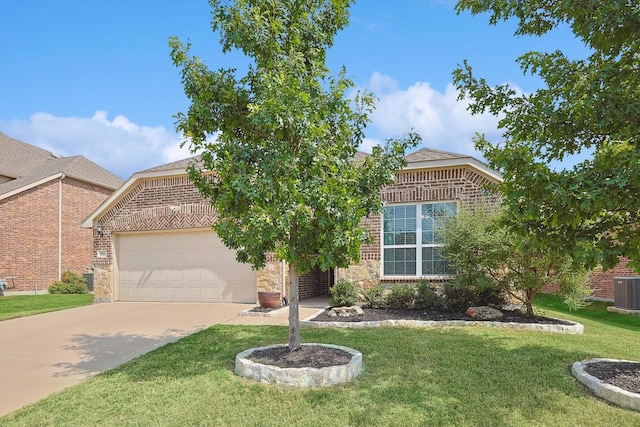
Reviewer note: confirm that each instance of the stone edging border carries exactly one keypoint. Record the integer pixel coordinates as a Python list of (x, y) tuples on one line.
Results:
[(574, 327), (249, 312), (299, 377), (608, 392)]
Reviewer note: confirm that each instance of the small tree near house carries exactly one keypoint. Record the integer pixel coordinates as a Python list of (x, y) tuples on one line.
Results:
[(284, 178), (485, 255)]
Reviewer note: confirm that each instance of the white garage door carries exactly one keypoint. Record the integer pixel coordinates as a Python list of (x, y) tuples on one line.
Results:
[(182, 267)]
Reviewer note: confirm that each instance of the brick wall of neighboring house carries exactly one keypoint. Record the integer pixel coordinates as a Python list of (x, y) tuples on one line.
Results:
[(601, 282), (456, 184), (29, 245), (169, 203)]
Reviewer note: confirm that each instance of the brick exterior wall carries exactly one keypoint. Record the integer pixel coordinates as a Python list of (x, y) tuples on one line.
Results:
[(29, 233), (457, 184), (313, 284), (601, 282)]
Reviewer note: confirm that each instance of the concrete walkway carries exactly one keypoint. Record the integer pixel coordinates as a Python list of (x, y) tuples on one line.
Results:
[(42, 354)]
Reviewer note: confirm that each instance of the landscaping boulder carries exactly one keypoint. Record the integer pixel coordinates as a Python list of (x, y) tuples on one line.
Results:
[(345, 311), (484, 313)]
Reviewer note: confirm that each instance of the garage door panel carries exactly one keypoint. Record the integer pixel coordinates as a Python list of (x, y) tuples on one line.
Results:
[(190, 266)]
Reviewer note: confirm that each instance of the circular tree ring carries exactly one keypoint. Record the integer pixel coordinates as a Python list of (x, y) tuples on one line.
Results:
[(299, 377)]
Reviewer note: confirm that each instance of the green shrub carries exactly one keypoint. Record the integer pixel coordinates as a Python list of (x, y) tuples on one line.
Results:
[(343, 293), (71, 283), (68, 288), (427, 298), (400, 297), (374, 297), (459, 298)]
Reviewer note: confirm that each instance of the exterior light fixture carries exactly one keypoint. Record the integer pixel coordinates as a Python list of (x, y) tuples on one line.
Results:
[(99, 228)]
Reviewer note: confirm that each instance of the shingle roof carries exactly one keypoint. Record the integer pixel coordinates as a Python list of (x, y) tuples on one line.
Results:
[(180, 164), (425, 154), (26, 164)]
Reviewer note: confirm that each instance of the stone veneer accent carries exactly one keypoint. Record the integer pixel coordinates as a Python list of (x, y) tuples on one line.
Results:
[(103, 283), (365, 274)]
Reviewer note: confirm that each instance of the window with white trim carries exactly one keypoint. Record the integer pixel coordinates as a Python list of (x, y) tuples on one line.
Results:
[(412, 241)]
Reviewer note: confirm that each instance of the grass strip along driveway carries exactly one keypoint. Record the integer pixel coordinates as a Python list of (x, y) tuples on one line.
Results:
[(412, 377), (14, 306)]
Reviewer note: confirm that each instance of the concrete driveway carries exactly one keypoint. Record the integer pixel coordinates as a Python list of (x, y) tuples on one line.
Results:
[(42, 354)]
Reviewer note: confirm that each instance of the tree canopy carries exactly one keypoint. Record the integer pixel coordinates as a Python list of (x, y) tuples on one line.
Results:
[(280, 170), (587, 106)]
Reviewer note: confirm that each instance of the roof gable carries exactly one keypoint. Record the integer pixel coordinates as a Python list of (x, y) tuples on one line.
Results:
[(27, 166)]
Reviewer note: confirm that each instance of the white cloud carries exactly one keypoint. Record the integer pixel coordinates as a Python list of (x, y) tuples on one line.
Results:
[(443, 122), (118, 145)]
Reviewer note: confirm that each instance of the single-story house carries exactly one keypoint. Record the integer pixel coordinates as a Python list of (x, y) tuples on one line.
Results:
[(153, 239), (43, 199)]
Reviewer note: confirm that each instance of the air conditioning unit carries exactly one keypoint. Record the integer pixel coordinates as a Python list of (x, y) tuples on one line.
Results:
[(626, 292)]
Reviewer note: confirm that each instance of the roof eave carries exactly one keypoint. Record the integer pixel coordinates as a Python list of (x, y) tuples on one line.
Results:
[(31, 185), (471, 162)]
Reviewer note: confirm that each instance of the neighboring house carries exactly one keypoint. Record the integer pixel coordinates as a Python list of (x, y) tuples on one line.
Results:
[(43, 199), (153, 239)]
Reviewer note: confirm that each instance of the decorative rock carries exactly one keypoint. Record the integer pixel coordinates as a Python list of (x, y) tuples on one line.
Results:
[(346, 311), (517, 308), (484, 313)]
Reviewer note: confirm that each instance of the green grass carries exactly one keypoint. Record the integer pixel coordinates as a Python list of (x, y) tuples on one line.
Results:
[(26, 305), (413, 377), (596, 311)]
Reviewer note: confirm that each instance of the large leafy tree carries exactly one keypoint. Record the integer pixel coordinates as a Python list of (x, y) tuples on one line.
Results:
[(281, 172), (588, 107)]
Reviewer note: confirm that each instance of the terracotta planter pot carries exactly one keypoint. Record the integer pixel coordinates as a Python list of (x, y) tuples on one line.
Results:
[(269, 299)]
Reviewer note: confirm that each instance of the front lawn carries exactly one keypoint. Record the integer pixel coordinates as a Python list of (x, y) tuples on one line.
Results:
[(26, 305), (412, 377)]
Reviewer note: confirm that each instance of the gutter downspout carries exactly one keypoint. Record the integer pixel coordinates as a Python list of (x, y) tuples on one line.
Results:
[(63, 176)]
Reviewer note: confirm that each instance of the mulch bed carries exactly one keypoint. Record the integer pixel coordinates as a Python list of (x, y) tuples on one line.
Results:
[(309, 356), (377, 314), (625, 375)]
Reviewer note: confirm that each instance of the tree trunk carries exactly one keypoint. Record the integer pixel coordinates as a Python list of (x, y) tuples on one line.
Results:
[(529, 301), (294, 313)]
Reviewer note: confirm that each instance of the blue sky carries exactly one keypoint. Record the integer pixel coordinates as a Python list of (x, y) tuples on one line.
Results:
[(94, 77)]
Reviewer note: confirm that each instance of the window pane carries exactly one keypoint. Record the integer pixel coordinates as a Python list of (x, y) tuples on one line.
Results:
[(399, 225), (400, 261)]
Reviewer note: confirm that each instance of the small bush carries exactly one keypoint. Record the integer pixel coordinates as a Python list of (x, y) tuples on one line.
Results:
[(427, 298), (457, 298), (68, 288), (374, 297), (343, 293), (400, 297), (71, 283)]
